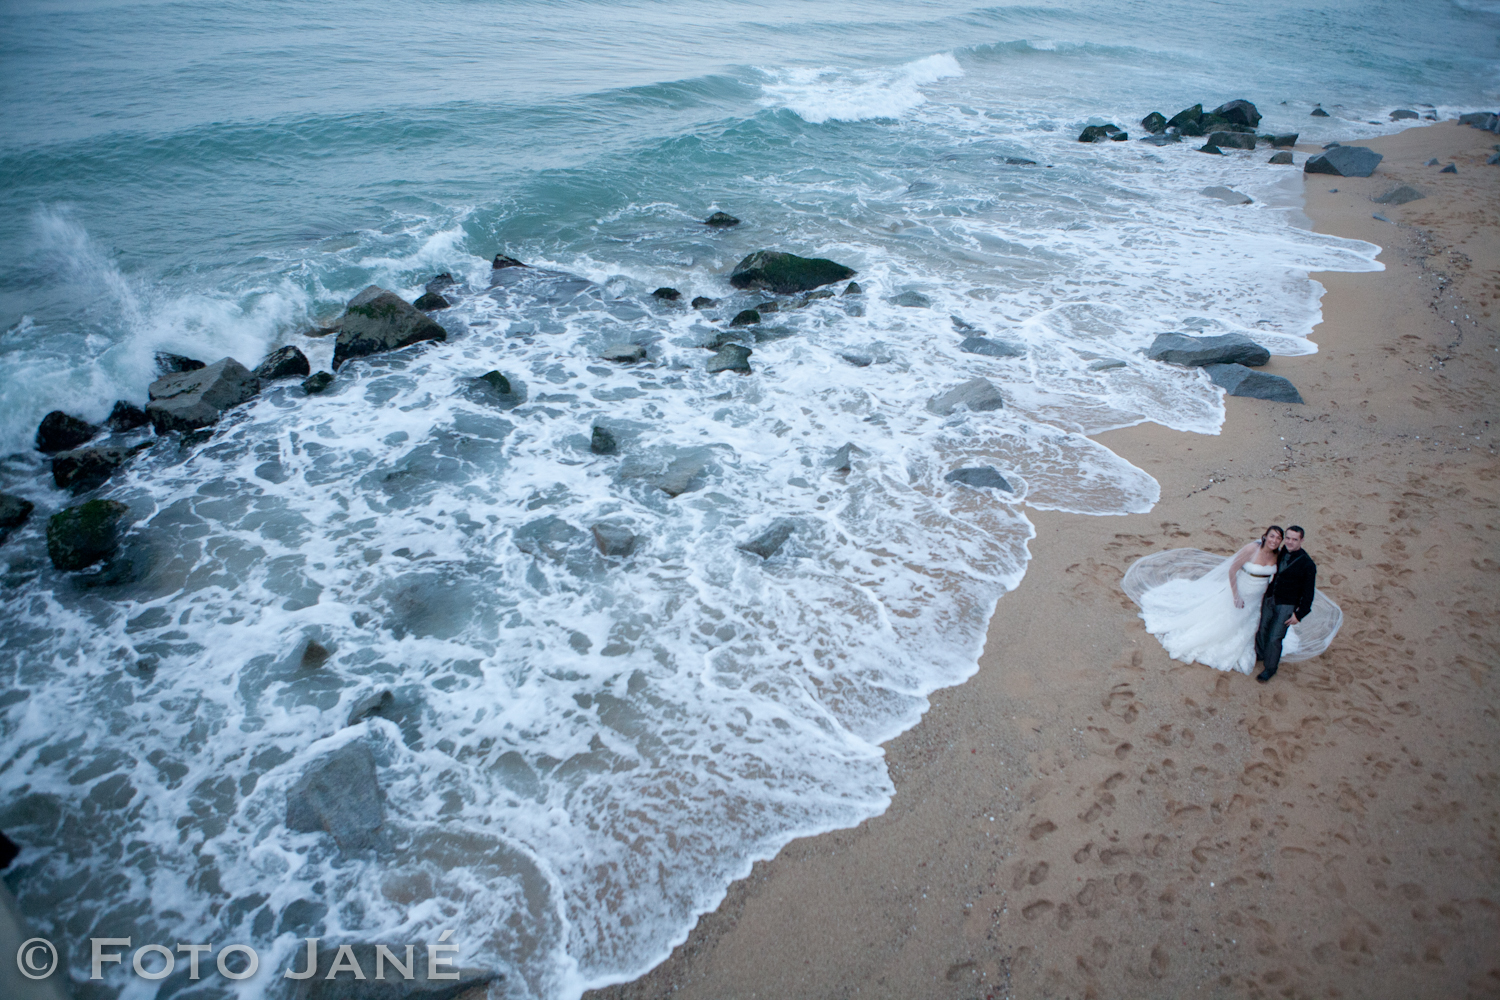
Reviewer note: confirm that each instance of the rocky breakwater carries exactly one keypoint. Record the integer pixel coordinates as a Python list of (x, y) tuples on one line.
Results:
[(377, 320), (1232, 125), (186, 401)]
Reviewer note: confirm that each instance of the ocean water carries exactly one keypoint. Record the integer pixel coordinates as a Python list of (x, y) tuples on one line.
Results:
[(580, 752)]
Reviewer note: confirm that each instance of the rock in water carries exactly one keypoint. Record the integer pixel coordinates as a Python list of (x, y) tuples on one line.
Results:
[(992, 348), (1098, 133), (1165, 139), (1232, 140), (1019, 161), (1211, 149), (1237, 380), (853, 289), (83, 469), (284, 362), (912, 300), (1228, 196), (767, 543), (602, 442), (842, 459), (13, 513), (126, 417), (704, 302), (314, 654), (977, 394), (1282, 158), (719, 219), (1155, 123), (376, 321), (393, 985), (1319, 113), (431, 302), (1239, 113), (339, 794), (168, 364), (1399, 196), (786, 273), (982, 476), (81, 536), (1228, 348), (667, 294), (194, 399), (58, 432), (501, 262), (613, 539), (440, 282), (496, 389), (317, 382), (1281, 141), (746, 317), (623, 353), (1344, 161), (731, 358), (1477, 119), (1400, 114), (377, 704)]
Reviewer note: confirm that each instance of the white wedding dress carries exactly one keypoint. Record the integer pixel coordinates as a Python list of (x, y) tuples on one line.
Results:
[(1197, 622)]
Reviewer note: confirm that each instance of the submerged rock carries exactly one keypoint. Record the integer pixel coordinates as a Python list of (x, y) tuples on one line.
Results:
[(81, 536), (667, 294), (13, 513), (1344, 161), (786, 273), (1019, 161), (602, 442), (377, 704), (440, 282), (431, 302), (170, 364), (704, 302), (84, 469), (314, 654), (1155, 123), (731, 358), (1237, 380), (1228, 196), (981, 476), (613, 539), (284, 362), (912, 300), (317, 382), (840, 462), (768, 542), (497, 389), (339, 794), (377, 321), (1107, 364), (393, 985), (992, 348), (1211, 149), (1238, 113), (721, 219), (1166, 139), (977, 394), (1098, 133), (1227, 348), (126, 417), (195, 399), (1282, 158), (60, 431), (685, 473), (623, 353), (1399, 196)]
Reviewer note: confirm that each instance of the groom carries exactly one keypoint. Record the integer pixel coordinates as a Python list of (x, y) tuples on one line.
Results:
[(1288, 600)]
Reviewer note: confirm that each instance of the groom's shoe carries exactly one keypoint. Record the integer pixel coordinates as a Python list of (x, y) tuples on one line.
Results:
[(1264, 676)]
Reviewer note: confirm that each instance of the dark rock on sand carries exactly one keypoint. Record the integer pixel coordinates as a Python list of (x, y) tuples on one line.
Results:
[(704, 302), (126, 417), (1098, 133), (431, 302), (1228, 348), (13, 513), (719, 219), (667, 294), (1228, 196), (1400, 114), (623, 353), (339, 794), (1232, 140), (746, 317), (194, 399), (394, 985), (1282, 158), (602, 442), (613, 539), (772, 539), (377, 321), (1237, 380), (501, 262), (1155, 123), (992, 348), (317, 382), (1451, 168), (786, 273), (977, 394), (1399, 196), (59, 431), (81, 536), (731, 358), (1239, 113), (284, 362), (1319, 113), (982, 476), (84, 469), (168, 364), (1344, 161)]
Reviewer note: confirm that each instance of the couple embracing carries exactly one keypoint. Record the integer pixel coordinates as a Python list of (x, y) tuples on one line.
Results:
[(1244, 609)]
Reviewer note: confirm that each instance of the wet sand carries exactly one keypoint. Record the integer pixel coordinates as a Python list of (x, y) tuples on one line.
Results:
[(1088, 818)]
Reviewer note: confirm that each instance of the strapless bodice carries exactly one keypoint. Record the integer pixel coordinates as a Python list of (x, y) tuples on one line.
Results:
[(1256, 570)]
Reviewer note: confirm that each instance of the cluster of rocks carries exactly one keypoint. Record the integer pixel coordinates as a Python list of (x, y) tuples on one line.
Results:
[(1229, 360), (1229, 126)]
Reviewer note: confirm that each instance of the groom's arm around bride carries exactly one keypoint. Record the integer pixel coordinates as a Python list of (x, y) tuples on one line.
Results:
[(1288, 600)]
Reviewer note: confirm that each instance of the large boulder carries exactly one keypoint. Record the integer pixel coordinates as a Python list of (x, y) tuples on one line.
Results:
[(81, 536), (1237, 380), (83, 469), (1227, 348), (977, 394), (193, 399), (339, 794), (376, 321), (60, 431), (126, 417), (394, 985), (1238, 113), (13, 513), (786, 273), (1186, 120), (1344, 161), (1155, 123), (284, 362)]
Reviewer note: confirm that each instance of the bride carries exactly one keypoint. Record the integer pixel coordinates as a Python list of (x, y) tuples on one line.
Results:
[(1211, 619)]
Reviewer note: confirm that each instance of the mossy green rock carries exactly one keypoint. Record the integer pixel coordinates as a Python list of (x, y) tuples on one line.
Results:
[(81, 536), (377, 321), (1154, 123), (786, 273)]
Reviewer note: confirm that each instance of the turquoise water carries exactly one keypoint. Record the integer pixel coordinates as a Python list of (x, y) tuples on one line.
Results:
[(587, 751)]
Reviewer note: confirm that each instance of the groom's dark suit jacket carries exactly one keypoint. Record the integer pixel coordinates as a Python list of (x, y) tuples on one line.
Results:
[(1295, 582)]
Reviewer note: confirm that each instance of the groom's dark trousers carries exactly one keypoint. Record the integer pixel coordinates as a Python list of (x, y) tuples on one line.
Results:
[(1272, 631), (1291, 592)]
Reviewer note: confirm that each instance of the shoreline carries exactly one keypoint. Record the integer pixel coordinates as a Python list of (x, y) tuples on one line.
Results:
[(1085, 817)]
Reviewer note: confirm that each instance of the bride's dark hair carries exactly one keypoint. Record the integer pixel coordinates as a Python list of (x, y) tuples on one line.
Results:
[(1276, 528)]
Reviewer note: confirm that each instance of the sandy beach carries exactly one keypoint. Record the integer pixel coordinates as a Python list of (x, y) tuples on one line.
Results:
[(1088, 818)]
